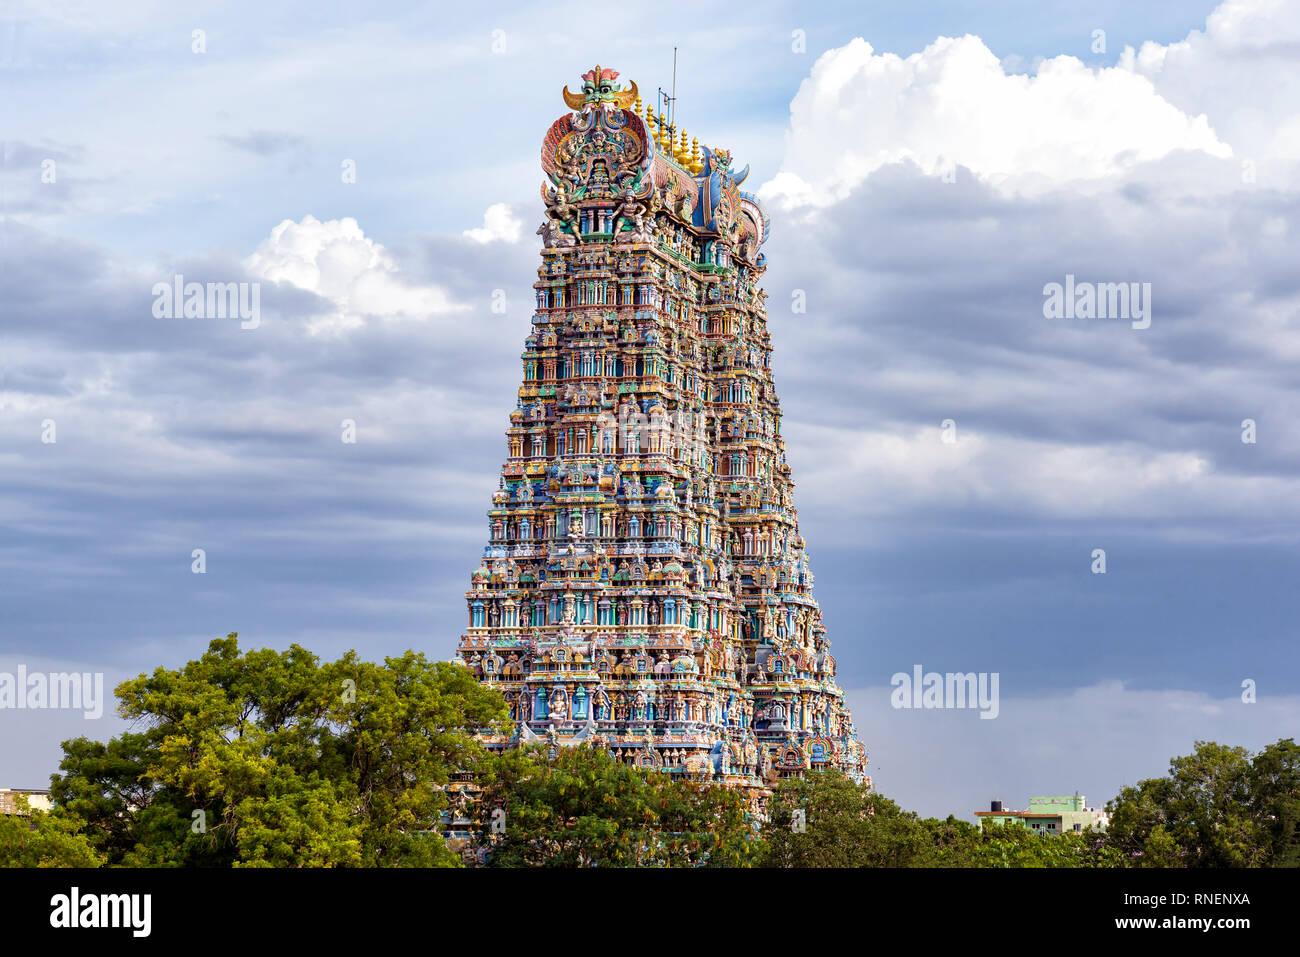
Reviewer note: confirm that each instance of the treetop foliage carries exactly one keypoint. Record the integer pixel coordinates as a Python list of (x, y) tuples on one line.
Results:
[(262, 758)]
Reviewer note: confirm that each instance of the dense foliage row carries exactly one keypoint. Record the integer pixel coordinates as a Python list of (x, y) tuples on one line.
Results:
[(272, 759), (267, 758)]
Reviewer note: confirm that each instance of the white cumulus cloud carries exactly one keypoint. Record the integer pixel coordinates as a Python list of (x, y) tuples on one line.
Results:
[(1239, 72), (953, 104), (499, 223), (337, 261)]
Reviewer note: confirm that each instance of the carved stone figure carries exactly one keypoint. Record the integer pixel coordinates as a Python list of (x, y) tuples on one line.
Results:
[(633, 212), (559, 211)]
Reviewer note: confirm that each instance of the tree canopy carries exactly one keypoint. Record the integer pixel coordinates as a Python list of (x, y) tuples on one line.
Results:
[(1219, 806), (272, 759), (583, 808), (34, 838)]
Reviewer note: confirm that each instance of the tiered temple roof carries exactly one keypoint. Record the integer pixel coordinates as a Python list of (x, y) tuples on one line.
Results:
[(645, 585)]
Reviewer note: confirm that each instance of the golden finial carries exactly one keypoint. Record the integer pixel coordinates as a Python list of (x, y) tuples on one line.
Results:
[(696, 164)]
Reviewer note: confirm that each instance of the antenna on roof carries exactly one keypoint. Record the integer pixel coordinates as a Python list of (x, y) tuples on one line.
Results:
[(673, 114), (669, 98)]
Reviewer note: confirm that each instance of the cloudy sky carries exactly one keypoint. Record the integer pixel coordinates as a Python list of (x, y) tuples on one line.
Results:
[(930, 168)]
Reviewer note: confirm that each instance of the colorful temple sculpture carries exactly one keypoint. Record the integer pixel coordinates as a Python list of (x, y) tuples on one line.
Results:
[(645, 586)]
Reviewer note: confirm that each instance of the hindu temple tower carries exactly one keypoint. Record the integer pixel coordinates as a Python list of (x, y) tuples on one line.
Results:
[(645, 585)]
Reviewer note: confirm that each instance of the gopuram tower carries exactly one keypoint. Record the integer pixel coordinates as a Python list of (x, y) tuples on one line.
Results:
[(645, 586)]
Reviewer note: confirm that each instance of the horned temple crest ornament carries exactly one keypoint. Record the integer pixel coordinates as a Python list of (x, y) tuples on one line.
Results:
[(618, 169), (600, 88)]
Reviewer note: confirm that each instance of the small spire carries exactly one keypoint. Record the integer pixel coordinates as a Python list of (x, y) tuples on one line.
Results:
[(682, 154)]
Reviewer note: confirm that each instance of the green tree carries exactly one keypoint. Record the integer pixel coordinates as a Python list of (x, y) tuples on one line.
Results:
[(1012, 845), (105, 785), (583, 808), (33, 838), (827, 820), (266, 758), (951, 841), (1275, 800), (1159, 849), (1205, 813), (701, 824)]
